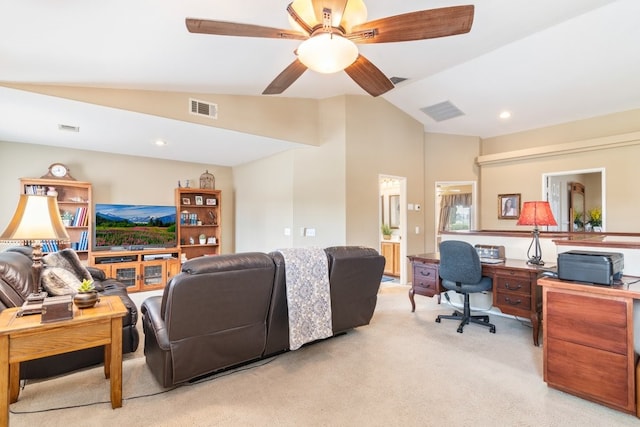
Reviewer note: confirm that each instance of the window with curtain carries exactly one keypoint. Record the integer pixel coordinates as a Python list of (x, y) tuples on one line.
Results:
[(455, 212)]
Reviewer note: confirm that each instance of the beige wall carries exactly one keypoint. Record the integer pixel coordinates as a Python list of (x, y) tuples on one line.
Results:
[(264, 203), (382, 140), (334, 187), (446, 158), (611, 142), (274, 117), (596, 127), (115, 178)]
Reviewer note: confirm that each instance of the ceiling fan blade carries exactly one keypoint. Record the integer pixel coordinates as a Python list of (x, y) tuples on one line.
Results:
[(285, 78), (425, 24), (222, 28), (369, 77)]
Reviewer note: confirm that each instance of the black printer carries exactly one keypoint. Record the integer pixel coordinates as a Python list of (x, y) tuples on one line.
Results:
[(602, 268)]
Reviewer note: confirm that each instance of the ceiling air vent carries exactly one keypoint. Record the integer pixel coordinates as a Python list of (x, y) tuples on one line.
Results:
[(442, 111), (69, 128), (396, 80), (201, 108)]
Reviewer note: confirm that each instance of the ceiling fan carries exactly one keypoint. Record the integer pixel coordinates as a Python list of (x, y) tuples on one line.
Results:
[(329, 30)]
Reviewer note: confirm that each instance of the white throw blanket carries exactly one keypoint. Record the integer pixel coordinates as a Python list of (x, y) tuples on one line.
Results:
[(308, 295)]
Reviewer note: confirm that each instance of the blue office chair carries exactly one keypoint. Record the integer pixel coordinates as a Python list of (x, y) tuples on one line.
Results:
[(461, 271)]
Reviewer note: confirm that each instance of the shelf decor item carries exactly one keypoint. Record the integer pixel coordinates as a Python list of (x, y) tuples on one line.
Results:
[(207, 181)]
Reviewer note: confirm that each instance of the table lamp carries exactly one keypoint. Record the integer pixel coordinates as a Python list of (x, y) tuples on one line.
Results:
[(37, 218), (536, 213)]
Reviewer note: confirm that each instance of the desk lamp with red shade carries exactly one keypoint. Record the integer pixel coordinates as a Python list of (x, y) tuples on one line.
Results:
[(536, 214)]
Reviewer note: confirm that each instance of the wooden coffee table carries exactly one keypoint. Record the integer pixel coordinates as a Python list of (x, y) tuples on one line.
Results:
[(25, 338)]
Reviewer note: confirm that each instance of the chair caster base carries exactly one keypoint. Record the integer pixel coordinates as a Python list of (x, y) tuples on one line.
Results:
[(466, 319)]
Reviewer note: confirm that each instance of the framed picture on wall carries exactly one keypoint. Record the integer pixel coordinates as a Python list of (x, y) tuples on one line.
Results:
[(508, 206)]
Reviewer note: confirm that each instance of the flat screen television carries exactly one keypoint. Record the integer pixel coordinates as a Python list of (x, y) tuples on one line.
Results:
[(134, 227)]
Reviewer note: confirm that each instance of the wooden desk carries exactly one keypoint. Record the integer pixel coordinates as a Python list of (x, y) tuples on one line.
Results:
[(588, 342), (514, 286), (25, 338)]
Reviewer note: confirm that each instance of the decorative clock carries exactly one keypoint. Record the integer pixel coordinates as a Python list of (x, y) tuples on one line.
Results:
[(58, 171)]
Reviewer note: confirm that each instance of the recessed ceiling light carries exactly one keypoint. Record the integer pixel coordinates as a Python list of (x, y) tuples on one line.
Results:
[(505, 115), (160, 143)]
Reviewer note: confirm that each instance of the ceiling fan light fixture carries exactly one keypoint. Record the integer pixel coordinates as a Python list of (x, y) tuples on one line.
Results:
[(355, 13), (327, 53), (304, 9)]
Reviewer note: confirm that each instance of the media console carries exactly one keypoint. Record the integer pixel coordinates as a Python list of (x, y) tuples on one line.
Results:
[(139, 270)]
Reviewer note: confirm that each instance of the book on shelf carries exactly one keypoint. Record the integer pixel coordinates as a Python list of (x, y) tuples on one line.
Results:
[(50, 246), (80, 219), (83, 244)]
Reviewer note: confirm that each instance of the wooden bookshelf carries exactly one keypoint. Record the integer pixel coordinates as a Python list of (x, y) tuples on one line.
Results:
[(199, 214), (74, 200)]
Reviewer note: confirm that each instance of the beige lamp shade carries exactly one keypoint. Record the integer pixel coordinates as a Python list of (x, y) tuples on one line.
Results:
[(36, 218)]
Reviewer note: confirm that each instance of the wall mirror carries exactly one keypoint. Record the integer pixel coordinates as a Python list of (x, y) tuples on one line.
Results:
[(394, 211), (577, 211), (556, 189)]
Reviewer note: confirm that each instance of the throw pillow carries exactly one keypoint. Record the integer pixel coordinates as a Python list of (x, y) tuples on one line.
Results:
[(59, 281), (67, 259)]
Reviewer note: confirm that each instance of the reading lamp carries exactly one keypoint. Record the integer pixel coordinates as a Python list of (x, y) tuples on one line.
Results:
[(536, 213), (37, 218)]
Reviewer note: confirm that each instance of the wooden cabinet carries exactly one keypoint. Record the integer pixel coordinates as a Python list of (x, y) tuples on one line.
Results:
[(74, 201), (198, 222), (139, 270), (391, 253), (588, 342)]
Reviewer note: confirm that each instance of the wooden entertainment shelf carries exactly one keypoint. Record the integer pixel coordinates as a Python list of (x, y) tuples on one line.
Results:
[(139, 270), (198, 222)]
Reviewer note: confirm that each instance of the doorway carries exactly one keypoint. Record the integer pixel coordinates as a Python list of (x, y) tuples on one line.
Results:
[(393, 212), (556, 189)]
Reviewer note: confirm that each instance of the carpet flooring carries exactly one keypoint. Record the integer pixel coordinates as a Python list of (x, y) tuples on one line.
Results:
[(401, 370)]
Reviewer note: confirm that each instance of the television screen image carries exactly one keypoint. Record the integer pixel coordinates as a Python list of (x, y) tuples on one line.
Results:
[(134, 226)]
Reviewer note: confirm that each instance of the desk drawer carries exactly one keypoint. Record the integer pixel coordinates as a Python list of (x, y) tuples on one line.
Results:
[(602, 324), (513, 281), (509, 301), (425, 279)]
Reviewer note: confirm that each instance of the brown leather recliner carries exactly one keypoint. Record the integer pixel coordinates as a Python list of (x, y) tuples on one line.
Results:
[(223, 311), (355, 273), (212, 315)]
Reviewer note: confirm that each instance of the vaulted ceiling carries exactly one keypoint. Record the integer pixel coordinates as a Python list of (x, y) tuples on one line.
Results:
[(545, 61)]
